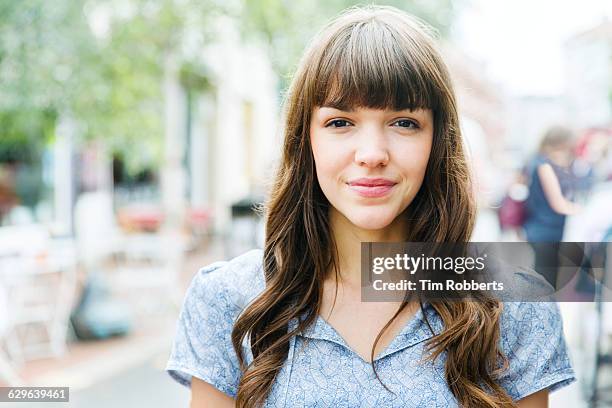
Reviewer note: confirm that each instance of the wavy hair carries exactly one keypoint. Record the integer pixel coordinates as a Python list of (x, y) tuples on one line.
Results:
[(374, 57)]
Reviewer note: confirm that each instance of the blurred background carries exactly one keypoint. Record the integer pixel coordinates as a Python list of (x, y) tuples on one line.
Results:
[(136, 136)]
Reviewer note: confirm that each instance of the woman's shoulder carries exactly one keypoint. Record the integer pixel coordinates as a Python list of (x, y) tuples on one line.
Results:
[(534, 163), (203, 344), (232, 283), (539, 159), (531, 337), (535, 319), (529, 299)]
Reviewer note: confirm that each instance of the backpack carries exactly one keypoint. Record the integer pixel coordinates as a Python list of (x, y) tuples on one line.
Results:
[(513, 209)]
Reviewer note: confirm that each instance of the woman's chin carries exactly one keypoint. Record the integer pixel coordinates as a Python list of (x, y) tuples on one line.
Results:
[(371, 222)]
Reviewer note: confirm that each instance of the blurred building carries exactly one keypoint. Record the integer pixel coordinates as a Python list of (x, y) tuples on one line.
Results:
[(220, 118), (483, 111), (233, 131), (480, 99), (529, 117), (585, 103), (588, 60)]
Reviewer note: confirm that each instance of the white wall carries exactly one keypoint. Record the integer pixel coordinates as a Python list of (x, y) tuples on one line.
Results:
[(242, 74), (589, 81)]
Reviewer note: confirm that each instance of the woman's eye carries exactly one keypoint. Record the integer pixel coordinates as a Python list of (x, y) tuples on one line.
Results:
[(406, 123), (338, 123)]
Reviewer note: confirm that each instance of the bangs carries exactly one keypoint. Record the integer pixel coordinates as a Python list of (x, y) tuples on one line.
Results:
[(371, 65)]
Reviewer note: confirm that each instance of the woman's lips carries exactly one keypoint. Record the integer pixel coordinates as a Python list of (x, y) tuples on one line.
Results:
[(371, 187)]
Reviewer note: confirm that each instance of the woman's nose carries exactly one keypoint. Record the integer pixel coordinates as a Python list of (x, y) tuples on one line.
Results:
[(372, 150)]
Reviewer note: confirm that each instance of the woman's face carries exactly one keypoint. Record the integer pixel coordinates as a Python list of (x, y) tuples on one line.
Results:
[(561, 155), (370, 163)]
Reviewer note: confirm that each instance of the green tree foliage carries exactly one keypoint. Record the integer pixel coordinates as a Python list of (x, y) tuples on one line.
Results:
[(101, 62), (21, 134)]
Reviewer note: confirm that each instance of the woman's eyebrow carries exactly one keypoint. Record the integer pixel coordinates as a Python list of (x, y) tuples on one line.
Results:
[(417, 112)]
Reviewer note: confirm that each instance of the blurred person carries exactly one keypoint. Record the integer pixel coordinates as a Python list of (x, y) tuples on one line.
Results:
[(547, 205), (372, 153)]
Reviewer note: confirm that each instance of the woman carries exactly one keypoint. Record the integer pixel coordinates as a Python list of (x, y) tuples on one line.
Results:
[(372, 152), (546, 204)]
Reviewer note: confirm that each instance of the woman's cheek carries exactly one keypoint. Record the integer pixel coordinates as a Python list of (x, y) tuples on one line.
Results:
[(329, 160)]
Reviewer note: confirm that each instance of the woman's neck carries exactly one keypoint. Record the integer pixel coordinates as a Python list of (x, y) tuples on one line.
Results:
[(348, 238)]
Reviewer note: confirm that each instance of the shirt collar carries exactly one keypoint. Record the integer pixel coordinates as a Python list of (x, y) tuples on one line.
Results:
[(415, 331)]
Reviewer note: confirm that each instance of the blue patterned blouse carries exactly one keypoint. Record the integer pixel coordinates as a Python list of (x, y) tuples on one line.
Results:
[(325, 372)]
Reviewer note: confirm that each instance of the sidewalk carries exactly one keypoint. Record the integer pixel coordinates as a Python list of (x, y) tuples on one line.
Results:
[(88, 363), (143, 385)]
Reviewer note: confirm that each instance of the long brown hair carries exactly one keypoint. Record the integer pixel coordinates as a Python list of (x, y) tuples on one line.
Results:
[(375, 57)]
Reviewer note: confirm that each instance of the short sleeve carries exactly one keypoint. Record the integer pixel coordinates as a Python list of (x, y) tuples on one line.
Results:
[(202, 346), (533, 341)]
